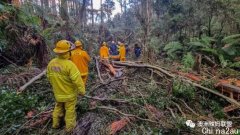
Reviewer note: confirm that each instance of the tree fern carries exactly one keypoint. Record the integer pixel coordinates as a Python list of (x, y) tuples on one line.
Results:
[(210, 51), (231, 39), (195, 45), (235, 65), (218, 54), (188, 60), (231, 50), (232, 45), (206, 41), (172, 47), (155, 43)]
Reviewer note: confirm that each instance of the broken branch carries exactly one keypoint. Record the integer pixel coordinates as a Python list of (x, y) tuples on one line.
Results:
[(172, 113), (98, 70), (232, 101), (189, 107), (105, 99), (31, 81), (179, 108), (124, 114)]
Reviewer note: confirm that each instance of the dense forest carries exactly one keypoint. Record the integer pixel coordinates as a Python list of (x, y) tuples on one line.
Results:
[(188, 69)]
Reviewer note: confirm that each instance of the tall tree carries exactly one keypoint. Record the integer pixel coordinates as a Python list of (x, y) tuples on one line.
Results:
[(109, 6), (54, 7), (92, 13), (144, 15), (101, 8)]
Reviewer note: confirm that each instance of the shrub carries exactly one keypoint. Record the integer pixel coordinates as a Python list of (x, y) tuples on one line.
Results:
[(188, 61), (183, 90), (13, 107)]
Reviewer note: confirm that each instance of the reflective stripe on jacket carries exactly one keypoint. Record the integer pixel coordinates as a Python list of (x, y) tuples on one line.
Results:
[(65, 79)]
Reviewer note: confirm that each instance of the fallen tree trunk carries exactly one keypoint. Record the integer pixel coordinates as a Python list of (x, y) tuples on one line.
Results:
[(143, 66), (232, 101), (22, 88), (229, 87), (98, 70)]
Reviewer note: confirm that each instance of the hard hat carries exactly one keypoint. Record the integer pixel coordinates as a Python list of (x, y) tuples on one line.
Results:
[(63, 46), (104, 43), (78, 43)]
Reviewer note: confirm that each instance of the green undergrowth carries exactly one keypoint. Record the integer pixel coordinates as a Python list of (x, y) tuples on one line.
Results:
[(13, 108), (183, 90)]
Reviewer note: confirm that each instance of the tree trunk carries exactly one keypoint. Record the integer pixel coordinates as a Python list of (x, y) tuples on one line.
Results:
[(46, 5), (65, 17), (209, 23), (82, 13), (92, 13), (42, 1), (54, 7), (101, 12), (63, 10), (147, 14)]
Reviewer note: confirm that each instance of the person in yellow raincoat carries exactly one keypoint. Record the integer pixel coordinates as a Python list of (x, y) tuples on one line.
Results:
[(81, 59), (104, 51), (104, 57), (67, 84), (122, 52)]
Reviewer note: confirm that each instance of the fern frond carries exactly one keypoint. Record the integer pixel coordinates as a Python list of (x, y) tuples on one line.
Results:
[(206, 41), (172, 47), (235, 65), (231, 38), (188, 60), (210, 51), (196, 45)]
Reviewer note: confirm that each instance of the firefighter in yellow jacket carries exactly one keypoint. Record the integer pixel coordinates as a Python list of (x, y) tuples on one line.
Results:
[(67, 84), (122, 52), (81, 59), (104, 51)]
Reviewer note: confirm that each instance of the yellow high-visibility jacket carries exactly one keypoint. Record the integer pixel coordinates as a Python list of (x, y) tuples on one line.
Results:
[(81, 59), (122, 53), (65, 79), (104, 52)]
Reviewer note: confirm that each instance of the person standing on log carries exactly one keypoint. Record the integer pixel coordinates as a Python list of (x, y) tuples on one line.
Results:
[(104, 52), (113, 49), (122, 52), (67, 84), (81, 59), (104, 57)]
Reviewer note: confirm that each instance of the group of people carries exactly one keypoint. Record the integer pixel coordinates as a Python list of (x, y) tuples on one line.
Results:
[(118, 51), (68, 74)]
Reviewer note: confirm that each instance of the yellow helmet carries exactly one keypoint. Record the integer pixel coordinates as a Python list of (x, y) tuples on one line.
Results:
[(78, 43), (104, 43), (62, 46), (121, 44)]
